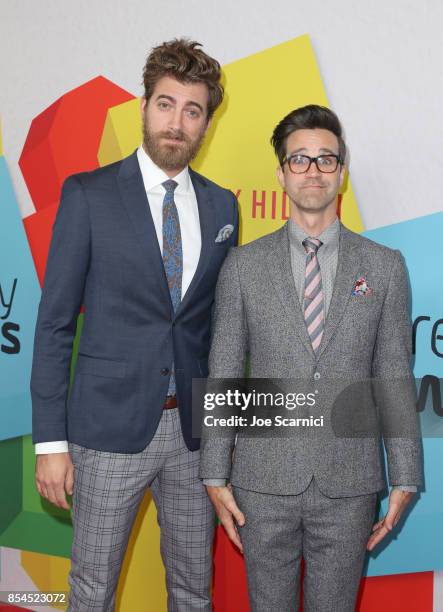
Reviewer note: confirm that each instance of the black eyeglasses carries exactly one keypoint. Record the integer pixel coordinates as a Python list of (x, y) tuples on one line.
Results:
[(299, 164)]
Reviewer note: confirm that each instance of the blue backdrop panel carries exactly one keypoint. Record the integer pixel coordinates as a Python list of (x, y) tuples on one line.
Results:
[(20, 294), (418, 545)]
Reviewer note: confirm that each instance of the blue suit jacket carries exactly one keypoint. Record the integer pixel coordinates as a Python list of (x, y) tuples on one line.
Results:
[(105, 255)]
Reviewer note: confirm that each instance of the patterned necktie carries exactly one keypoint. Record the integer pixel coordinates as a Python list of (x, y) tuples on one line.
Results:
[(313, 301), (172, 255)]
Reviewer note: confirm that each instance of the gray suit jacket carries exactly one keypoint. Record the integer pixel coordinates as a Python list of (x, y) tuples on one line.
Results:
[(366, 338)]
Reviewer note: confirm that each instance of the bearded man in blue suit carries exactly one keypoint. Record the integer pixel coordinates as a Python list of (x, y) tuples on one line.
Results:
[(140, 244)]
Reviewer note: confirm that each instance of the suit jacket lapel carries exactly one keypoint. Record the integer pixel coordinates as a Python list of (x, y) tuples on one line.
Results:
[(280, 272), (206, 212), (347, 270), (132, 191)]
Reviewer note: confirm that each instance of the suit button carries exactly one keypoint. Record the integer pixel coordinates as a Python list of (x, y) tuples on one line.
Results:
[(164, 371), (317, 375)]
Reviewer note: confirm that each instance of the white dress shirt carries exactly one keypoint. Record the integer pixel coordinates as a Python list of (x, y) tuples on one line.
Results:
[(187, 208)]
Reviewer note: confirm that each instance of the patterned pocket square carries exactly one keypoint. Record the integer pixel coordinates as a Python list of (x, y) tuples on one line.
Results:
[(361, 287), (224, 233)]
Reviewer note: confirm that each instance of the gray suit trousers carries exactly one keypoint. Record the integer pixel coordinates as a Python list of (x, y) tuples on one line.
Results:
[(108, 490), (330, 534)]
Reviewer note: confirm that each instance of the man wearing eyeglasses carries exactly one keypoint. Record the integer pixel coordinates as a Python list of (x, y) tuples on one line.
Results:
[(317, 303)]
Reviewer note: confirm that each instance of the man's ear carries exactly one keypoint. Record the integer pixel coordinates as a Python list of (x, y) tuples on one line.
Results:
[(342, 174), (208, 124), (281, 177), (143, 103)]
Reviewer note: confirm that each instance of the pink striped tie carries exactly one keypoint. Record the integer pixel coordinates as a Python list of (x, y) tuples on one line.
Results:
[(313, 302)]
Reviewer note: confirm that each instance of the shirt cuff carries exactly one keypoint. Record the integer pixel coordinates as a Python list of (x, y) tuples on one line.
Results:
[(48, 448), (406, 488), (214, 482)]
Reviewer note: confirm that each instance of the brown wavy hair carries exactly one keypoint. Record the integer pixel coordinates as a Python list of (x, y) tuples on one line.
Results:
[(185, 61)]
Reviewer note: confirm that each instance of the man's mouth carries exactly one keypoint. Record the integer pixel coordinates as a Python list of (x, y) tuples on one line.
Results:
[(173, 138)]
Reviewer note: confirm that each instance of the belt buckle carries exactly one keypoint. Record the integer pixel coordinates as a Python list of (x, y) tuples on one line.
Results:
[(170, 402)]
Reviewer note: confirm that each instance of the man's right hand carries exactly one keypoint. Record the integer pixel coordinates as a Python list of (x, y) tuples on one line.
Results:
[(54, 477), (227, 510)]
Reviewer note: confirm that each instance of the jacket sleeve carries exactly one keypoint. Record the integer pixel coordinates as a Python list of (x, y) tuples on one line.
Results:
[(394, 386), (226, 361), (61, 299)]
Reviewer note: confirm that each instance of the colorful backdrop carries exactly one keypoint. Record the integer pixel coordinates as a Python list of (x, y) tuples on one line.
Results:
[(86, 117)]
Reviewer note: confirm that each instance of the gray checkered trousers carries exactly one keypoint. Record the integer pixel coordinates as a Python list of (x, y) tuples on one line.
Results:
[(108, 490)]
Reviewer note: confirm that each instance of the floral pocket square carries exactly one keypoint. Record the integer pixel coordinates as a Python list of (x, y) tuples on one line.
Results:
[(361, 287), (224, 233)]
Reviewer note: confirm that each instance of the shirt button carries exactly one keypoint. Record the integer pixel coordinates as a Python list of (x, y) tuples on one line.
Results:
[(164, 371), (317, 375)]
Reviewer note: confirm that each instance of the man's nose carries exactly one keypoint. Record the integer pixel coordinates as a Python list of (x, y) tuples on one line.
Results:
[(313, 170), (175, 119)]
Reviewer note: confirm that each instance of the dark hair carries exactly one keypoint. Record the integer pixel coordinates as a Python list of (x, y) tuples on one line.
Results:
[(185, 61), (307, 117)]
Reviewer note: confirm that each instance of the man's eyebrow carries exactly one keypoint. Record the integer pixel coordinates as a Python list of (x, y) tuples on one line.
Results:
[(170, 98), (193, 103), (188, 103), (323, 150)]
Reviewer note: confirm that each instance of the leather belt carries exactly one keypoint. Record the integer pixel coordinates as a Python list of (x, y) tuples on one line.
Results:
[(171, 402)]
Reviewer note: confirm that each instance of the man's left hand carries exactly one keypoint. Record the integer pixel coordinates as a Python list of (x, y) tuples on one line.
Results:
[(398, 500)]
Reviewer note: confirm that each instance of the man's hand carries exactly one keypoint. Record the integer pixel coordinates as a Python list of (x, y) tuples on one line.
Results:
[(54, 476), (227, 510), (398, 500)]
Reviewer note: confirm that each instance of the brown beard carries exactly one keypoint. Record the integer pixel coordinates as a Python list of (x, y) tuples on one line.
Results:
[(170, 157)]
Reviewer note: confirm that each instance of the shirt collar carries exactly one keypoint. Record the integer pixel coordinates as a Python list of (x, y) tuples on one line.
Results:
[(153, 176), (329, 236)]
